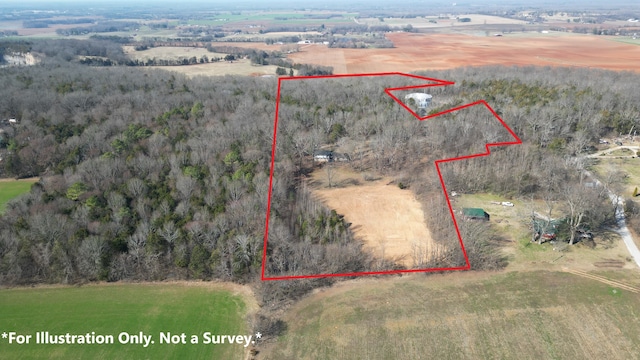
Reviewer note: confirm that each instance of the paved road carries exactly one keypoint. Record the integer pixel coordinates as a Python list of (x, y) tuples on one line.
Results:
[(622, 229)]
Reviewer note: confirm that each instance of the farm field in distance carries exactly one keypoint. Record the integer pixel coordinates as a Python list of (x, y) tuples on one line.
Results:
[(221, 68), (10, 189), (237, 67), (109, 309), (414, 52), (170, 53), (525, 315)]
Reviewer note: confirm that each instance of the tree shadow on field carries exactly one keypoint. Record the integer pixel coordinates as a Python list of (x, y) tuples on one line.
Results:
[(347, 182)]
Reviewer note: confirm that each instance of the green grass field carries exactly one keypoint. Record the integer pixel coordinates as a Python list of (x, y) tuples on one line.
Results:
[(627, 40), (516, 315), (513, 223), (10, 189), (114, 308)]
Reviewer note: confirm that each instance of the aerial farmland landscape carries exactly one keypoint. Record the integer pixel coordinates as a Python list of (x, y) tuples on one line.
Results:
[(326, 180)]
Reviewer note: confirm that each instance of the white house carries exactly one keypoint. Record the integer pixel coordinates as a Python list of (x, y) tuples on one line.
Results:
[(323, 156), (421, 99)]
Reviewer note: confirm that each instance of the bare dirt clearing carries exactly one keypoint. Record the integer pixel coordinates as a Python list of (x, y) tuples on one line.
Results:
[(415, 52), (170, 53), (389, 220), (220, 68)]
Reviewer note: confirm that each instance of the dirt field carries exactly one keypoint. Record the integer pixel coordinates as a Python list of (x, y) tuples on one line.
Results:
[(239, 67), (170, 53), (388, 219), (445, 51)]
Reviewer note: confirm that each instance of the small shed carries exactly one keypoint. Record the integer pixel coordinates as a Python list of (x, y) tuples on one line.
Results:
[(475, 214)]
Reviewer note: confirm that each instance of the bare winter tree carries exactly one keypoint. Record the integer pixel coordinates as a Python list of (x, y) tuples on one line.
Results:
[(136, 187), (90, 256), (186, 186), (577, 204), (330, 171)]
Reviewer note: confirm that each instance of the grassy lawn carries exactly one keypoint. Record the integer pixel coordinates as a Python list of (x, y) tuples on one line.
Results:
[(513, 223), (627, 40), (622, 152), (10, 189), (630, 166), (515, 315), (114, 308)]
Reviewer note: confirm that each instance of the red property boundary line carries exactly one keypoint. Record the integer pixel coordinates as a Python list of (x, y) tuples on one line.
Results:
[(436, 82)]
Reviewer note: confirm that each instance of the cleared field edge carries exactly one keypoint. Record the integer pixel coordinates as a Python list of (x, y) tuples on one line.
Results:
[(462, 310), (11, 189), (244, 291), (389, 231)]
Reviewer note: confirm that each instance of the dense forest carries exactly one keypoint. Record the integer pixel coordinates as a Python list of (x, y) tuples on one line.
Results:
[(149, 175)]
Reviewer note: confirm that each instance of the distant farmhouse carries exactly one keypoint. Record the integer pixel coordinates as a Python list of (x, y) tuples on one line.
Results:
[(323, 156), (475, 214), (329, 156)]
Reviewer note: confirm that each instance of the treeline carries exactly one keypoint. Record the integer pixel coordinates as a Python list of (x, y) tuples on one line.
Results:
[(261, 57), (376, 40), (66, 50), (346, 36), (174, 62), (44, 23), (101, 27), (19, 46), (8, 33)]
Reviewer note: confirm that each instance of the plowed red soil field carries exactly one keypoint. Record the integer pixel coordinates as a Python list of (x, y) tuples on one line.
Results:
[(414, 52)]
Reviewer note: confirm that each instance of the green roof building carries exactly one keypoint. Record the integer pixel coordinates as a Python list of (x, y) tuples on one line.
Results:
[(475, 214)]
